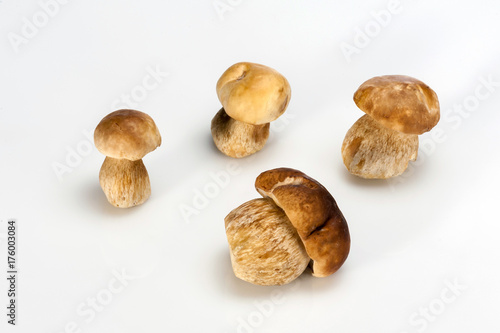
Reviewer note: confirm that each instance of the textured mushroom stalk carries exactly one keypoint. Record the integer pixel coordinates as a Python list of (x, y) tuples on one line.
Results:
[(125, 183), (272, 240), (264, 246), (236, 138), (252, 96), (371, 150)]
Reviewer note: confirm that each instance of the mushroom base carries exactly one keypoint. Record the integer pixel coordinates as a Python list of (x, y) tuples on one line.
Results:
[(235, 138), (264, 246), (125, 183), (371, 150)]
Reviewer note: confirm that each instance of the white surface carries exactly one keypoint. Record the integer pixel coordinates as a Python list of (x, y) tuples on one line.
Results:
[(410, 239)]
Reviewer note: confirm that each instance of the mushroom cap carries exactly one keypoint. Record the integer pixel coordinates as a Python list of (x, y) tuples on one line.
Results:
[(371, 150), (127, 134), (399, 102), (313, 212), (253, 93)]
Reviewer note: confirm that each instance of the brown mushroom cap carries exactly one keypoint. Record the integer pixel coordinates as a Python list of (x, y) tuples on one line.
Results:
[(127, 134), (253, 93), (399, 102), (313, 212)]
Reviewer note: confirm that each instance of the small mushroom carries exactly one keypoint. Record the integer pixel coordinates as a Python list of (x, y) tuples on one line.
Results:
[(125, 137), (272, 240), (381, 143), (252, 96)]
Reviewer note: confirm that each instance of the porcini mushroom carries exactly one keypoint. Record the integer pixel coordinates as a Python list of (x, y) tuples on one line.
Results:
[(252, 96), (125, 137), (381, 143), (272, 240)]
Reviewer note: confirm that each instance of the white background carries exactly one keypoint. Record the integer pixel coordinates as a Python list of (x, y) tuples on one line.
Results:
[(412, 237)]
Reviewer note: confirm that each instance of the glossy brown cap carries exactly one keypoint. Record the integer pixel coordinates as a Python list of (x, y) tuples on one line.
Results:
[(127, 134), (399, 102), (313, 212)]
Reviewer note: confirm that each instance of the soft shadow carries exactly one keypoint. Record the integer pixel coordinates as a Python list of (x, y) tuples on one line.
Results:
[(362, 182), (413, 174), (176, 164), (305, 284), (334, 281), (210, 142), (95, 198)]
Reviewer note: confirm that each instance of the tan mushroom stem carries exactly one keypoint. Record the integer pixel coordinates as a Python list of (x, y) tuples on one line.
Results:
[(125, 183), (371, 150), (264, 246), (236, 138)]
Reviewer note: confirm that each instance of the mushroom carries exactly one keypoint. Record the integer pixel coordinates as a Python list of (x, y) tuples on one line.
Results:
[(125, 137), (252, 96), (272, 240), (381, 143)]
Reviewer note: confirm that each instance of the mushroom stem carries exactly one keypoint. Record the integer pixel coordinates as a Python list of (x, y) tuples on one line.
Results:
[(125, 183), (236, 138), (264, 246), (371, 150)]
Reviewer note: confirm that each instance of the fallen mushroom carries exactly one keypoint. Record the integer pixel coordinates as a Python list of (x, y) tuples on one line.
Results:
[(272, 240), (125, 137), (252, 96), (381, 143)]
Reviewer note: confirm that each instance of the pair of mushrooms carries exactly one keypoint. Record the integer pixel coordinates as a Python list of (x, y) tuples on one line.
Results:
[(252, 96), (379, 145)]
